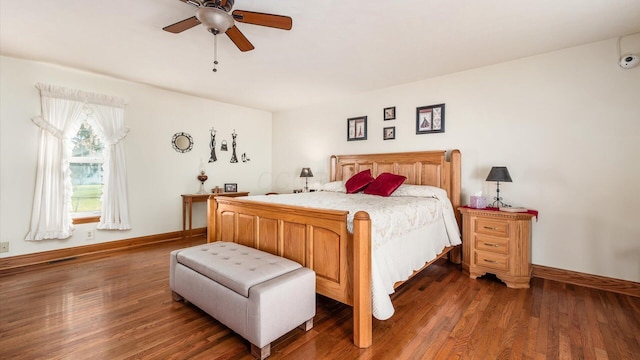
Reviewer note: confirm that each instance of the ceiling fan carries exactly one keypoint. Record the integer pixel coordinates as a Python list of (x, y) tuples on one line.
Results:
[(215, 17)]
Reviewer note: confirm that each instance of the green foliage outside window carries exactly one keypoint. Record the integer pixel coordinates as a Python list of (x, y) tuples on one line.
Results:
[(86, 170)]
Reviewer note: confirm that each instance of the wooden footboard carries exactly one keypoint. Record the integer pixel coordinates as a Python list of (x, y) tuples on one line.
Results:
[(315, 238)]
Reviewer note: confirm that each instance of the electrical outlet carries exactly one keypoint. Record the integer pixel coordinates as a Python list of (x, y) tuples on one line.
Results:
[(4, 247), (89, 234)]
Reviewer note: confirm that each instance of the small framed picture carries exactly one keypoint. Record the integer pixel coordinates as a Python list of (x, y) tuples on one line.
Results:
[(230, 187), (430, 119), (389, 113), (389, 133), (357, 128)]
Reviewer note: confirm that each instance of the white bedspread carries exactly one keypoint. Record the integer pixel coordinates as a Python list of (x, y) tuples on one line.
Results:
[(406, 232)]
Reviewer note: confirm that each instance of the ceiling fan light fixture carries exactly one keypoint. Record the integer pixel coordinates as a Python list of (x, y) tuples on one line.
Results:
[(214, 20)]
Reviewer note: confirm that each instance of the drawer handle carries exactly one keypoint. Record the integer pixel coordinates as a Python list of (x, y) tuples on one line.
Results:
[(491, 228), (490, 261), (490, 244)]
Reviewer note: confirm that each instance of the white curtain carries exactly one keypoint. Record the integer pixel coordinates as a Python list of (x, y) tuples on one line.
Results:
[(51, 213), (62, 111), (110, 127)]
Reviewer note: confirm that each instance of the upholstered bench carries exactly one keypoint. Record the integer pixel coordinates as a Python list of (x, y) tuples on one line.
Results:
[(258, 295)]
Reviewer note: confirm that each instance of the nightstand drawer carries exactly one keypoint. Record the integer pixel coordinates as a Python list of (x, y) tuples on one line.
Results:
[(491, 260), (494, 227), (492, 244)]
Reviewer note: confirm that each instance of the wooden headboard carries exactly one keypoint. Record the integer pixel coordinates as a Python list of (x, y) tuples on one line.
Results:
[(420, 167)]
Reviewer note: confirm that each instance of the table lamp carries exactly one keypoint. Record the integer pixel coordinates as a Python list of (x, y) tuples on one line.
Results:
[(306, 174), (497, 174)]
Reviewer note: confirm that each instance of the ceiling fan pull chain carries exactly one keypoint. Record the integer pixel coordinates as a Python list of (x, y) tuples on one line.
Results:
[(215, 51)]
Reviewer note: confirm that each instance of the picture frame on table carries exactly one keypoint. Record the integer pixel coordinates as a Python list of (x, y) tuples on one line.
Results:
[(357, 128), (231, 187), (389, 113), (389, 133), (430, 119)]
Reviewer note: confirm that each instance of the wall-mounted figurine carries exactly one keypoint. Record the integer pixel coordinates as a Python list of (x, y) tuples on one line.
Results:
[(223, 147), (234, 157), (212, 146)]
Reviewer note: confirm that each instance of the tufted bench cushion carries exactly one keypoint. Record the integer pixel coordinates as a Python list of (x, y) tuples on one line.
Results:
[(258, 295), (235, 266)]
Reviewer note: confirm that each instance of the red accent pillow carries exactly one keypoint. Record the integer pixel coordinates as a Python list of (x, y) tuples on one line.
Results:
[(359, 181), (385, 184)]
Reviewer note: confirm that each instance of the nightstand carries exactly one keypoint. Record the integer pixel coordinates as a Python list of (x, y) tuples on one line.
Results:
[(498, 243)]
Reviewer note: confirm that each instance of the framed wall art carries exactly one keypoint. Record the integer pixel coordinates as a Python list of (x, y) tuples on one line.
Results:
[(230, 187), (430, 119), (389, 133), (357, 128), (389, 113)]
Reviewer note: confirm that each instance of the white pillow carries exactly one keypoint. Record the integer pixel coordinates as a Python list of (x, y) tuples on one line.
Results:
[(334, 186), (421, 191)]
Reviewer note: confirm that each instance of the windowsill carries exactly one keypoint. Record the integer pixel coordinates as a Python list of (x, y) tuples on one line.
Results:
[(86, 220)]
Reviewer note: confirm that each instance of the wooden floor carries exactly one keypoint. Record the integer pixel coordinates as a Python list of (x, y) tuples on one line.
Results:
[(119, 306)]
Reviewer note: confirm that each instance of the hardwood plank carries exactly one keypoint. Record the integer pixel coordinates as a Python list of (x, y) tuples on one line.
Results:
[(118, 305)]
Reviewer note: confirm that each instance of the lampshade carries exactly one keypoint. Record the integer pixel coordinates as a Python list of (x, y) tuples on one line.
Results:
[(214, 20), (306, 172), (499, 173)]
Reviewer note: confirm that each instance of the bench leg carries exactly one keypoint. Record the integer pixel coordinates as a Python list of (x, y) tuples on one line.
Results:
[(261, 353), (176, 296), (308, 325)]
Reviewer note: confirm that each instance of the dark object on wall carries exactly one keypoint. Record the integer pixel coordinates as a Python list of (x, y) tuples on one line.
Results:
[(182, 142), (245, 158), (212, 146), (234, 157), (357, 128), (223, 147), (430, 119), (389, 113), (389, 133)]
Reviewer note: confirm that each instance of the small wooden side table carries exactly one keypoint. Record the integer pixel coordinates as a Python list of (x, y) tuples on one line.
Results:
[(187, 206), (499, 243)]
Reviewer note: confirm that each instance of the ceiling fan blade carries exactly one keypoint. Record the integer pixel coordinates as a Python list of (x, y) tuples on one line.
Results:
[(183, 25), (239, 39), (270, 20)]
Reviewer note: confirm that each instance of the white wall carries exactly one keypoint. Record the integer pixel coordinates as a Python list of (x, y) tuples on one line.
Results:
[(157, 174), (566, 124)]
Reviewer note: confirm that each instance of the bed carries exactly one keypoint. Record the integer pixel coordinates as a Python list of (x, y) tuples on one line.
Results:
[(336, 244)]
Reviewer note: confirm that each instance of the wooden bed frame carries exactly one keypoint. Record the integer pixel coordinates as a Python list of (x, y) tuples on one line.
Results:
[(318, 238)]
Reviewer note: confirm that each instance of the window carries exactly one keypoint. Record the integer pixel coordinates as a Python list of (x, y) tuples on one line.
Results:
[(99, 169), (86, 173)]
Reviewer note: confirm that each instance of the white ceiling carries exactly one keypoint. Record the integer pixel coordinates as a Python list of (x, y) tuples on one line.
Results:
[(336, 47)]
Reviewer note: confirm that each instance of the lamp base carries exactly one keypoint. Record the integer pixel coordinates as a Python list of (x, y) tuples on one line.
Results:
[(202, 191), (498, 200), (202, 178), (498, 203)]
